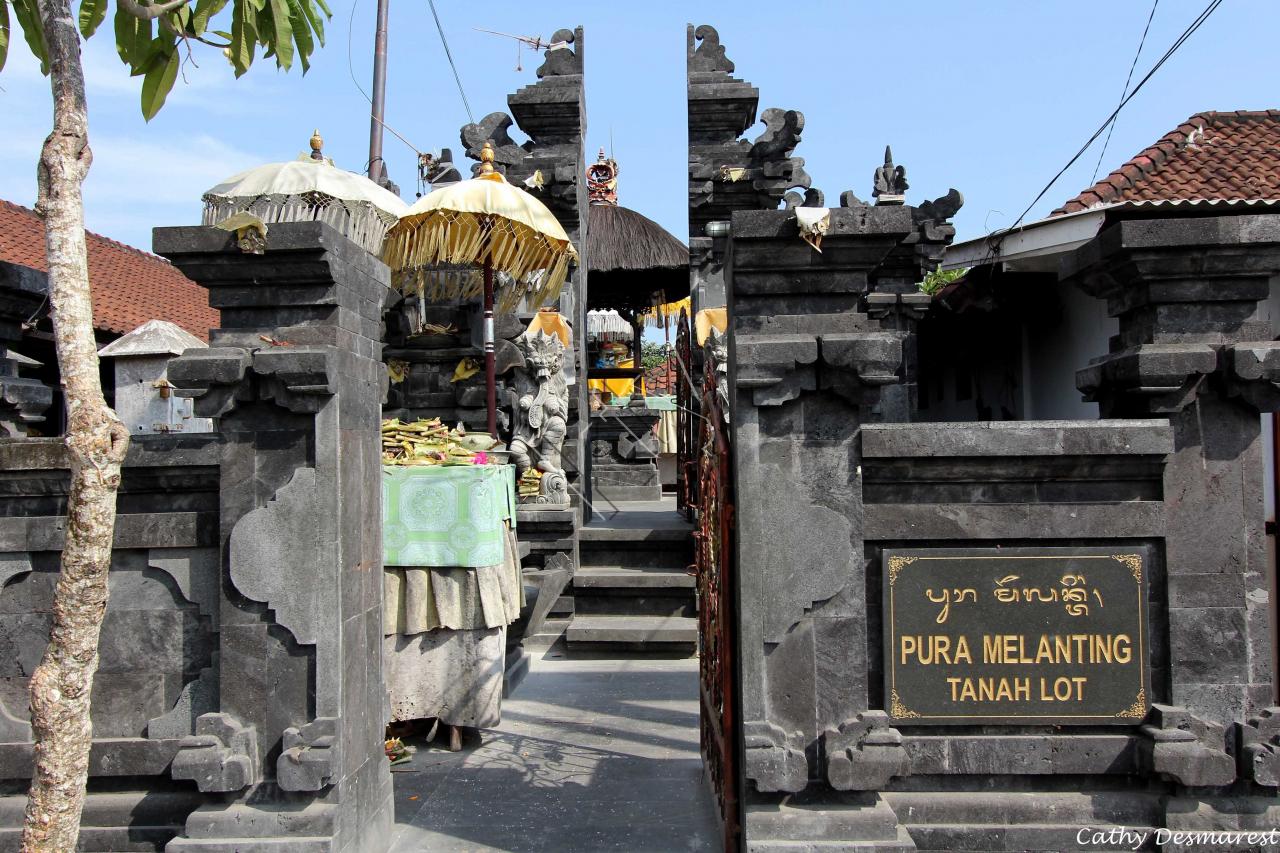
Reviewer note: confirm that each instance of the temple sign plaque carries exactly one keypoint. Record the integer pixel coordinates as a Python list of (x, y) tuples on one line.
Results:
[(1016, 635)]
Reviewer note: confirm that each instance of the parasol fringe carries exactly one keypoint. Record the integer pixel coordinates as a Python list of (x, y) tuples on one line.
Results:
[(537, 264), (360, 221)]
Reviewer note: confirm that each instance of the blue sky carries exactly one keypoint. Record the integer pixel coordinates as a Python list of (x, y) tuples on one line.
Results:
[(989, 97)]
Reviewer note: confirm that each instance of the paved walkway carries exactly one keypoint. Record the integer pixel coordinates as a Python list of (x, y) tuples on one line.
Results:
[(592, 755)]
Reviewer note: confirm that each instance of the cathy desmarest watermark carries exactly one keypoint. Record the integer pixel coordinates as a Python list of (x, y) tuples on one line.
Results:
[(1125, 838)]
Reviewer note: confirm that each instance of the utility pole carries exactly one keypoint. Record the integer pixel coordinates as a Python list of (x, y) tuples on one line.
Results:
[(376, 163)]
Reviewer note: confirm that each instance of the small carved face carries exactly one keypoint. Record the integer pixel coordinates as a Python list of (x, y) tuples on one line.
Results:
[(543, 353)]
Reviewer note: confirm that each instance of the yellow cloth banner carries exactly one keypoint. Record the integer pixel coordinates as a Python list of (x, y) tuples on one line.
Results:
[(552, 323), (708, 319), (617, 387)]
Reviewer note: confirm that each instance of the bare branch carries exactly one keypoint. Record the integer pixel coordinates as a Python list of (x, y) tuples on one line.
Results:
[(147, 13)]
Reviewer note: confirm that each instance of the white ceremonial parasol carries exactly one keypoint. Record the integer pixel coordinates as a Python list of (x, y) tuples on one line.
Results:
[(309, 189)]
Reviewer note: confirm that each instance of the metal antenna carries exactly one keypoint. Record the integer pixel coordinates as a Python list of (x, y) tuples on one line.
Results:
[(534, 42)]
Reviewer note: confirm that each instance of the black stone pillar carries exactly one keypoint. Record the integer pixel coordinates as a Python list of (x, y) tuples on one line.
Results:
[(290, 748), (807, 369), (1193, 347)]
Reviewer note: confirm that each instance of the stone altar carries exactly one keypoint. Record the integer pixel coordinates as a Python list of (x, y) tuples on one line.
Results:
[(624, 455)]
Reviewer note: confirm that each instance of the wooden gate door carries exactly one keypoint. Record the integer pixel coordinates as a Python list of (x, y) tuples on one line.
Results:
[(716, 612)]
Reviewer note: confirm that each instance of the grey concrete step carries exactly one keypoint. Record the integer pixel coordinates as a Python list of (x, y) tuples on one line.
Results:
[(620, 578), (552, 631), (633, 633), (617, 591), (663, 555)]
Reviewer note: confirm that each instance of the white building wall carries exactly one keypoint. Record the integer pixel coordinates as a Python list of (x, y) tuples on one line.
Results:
[(1053, 354)]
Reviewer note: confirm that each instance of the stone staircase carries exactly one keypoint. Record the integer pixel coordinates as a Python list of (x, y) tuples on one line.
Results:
[(633, 592)]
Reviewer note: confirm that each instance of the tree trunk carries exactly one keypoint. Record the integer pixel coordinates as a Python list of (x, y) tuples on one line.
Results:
[(96, 443)]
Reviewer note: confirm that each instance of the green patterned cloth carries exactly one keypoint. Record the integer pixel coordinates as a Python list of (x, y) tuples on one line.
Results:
[(446, 515)]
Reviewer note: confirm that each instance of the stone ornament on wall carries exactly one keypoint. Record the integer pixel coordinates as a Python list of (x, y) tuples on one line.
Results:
[(540, 403)]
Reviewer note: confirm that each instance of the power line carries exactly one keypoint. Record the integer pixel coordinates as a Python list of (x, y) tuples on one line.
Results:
[(1125, 90), (449, 56), (1186, 34)]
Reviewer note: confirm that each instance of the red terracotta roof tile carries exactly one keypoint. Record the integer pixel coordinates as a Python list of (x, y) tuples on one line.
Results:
[(1219, 156), (128, 286), (661, 378)]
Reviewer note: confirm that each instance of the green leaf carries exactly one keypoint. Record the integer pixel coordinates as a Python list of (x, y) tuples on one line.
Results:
[(92, 13), (181, 17), (313, 16), (325, 8), (32, 30), (4, 33), (205, 10), (158, 82), (301, 34), (244, 36), (133, 41), (266, 32), (282, 30)]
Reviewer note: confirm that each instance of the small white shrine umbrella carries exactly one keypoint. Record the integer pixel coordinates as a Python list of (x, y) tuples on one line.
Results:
[(309, 189), (609, 326)]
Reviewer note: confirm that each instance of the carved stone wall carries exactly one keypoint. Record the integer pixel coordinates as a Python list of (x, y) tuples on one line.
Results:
[(158, 671), (292, 745), (726, 171), (828, 478)]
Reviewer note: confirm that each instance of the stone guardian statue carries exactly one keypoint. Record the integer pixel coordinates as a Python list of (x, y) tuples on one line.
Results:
[(540, 403)]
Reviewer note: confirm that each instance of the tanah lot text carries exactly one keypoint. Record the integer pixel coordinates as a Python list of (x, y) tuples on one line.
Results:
[(1015, 634)]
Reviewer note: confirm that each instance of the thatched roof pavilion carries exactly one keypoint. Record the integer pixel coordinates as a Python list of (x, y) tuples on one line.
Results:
[(632, 261)]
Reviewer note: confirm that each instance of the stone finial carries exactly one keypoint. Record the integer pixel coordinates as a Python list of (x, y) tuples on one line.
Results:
[(780, 137), (850, 199), (561, 59), (602, 180), (317, 143), (493, 129), (890, 181), (440, 170), (709, 54), (486, 159), (941, 209), (812, 197)]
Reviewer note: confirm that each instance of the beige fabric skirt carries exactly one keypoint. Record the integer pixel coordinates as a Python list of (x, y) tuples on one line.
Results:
[(446, 635), (415, 599)]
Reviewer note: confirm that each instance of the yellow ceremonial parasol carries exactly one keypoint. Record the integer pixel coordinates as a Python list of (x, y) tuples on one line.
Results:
[(484, 222)]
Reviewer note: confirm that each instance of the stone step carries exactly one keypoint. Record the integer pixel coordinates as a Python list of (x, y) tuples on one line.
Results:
[(673, 559), (633, 633), (552, 630), (631, 579), (633, 592), (671, 530)]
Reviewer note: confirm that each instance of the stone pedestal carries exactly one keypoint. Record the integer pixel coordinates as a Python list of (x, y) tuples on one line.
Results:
[(289, 750), (624, 455)]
